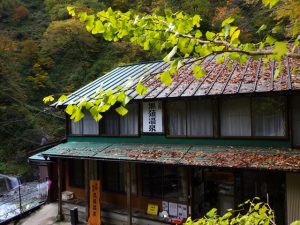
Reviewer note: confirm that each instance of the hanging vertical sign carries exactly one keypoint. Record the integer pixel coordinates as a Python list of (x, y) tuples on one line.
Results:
[(94, 214), (152, 117)]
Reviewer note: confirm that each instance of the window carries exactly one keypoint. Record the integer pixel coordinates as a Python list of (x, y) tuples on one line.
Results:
[(114, 177), (235, 117), (192, 118), (164, 182), (86, 126), (76, 173), (257, 117), (296, 120), (269, 116), (113, 124)]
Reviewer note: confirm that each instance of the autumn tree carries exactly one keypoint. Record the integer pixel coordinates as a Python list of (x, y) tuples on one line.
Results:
[(178, 36)]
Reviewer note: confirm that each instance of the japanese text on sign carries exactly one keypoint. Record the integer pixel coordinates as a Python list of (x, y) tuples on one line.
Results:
[(152, 117)]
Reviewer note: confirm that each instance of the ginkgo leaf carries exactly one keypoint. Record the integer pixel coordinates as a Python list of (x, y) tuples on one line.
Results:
[(227, 21), (122, 110), (166, 78), (47, 99), (198, 72), (69, 110), (171, 54), (62, 98)]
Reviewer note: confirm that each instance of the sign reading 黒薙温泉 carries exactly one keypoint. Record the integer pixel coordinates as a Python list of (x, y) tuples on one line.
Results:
[(152, 117)]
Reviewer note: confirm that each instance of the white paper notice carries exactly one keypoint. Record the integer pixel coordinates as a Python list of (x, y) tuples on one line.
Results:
[(172, 209), (182, 211), (165, 206)]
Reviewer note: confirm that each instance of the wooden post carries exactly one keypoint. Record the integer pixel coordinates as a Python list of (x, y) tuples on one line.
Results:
[(59, 186), (87, 188), (129, 217)]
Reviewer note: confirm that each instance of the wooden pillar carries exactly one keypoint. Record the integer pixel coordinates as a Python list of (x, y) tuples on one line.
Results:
[(59, 186), (87, 188), (129, 217)]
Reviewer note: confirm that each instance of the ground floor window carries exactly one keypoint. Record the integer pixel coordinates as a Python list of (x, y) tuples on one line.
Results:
[(76, 173), (114, 177), (167, 182)]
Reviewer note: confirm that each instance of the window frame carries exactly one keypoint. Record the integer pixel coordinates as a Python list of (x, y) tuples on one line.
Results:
[(71, 173), (253, 137), (102, 124), (187, 111), (69, 129), (134, 177)]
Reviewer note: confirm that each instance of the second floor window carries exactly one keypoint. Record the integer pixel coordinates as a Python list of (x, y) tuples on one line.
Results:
[(257, 117), (192, 118), (86, 126), (112, 124)]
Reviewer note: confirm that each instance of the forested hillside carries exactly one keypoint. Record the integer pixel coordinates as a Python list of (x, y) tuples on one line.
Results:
[(43, 51)]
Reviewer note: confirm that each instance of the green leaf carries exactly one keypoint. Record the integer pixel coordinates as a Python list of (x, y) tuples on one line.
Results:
[(278, 72), (122, 110), (90, 22), (297, 222), (69, 110), (198, 72), (235, 36), (49, 98), (234, 56), (196, 20), (210, 35), (227, 21), (270, 40), (212, 212), (97, 117), (62, 98), (77, 114), (280, 49), (82, 16), (98, 28), (141, 89), (171, 54), (220, 59), (262, 27), (71, 10), (198, 34), (147, 45), (166, 78)]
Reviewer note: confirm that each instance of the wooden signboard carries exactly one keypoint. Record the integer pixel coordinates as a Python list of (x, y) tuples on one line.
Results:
[(95, 217)]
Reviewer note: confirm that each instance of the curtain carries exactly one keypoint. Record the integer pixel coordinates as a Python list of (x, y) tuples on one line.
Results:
[(296, 120), (76, 128), (111, 120), (200, 119), (177, 118), (269, 116), (129, 122), (90, 126), (235, 117)]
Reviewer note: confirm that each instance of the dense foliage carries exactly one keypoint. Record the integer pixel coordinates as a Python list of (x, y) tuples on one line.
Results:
[(43, 51), (178, 36)]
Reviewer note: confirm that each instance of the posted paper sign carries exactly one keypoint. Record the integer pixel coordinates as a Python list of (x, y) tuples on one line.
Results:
[(182, 211), (172, 209), (152, 117)]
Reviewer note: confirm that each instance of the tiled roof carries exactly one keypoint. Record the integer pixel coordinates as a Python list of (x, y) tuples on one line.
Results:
[(209, 156), (220, 79)]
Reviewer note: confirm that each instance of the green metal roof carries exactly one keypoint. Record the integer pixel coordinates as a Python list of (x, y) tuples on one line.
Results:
[(220, 79), (208, 156), (37, 157)]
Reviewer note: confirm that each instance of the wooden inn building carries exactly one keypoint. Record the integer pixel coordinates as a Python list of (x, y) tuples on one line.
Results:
[(188, 147)]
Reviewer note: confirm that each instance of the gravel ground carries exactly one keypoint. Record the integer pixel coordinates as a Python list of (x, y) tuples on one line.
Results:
[(46, 215)]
